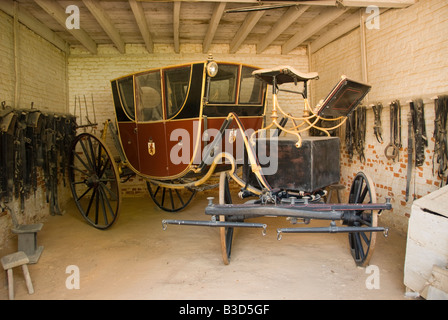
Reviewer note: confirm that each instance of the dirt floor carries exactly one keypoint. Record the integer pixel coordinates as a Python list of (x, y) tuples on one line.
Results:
[(137, 259)]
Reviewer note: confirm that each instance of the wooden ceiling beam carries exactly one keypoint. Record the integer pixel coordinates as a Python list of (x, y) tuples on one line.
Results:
[(104, 21), (349, 24), (139, 15), (34, 25), (326, 17), (327, 3), (281, 25), (218, 11), (352, 22), (176, 26), (58, 13), (247, 26)]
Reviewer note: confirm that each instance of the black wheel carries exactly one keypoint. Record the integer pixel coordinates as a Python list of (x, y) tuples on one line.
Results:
[(94, 181), (226, 233), (362, 244), (170, 199)]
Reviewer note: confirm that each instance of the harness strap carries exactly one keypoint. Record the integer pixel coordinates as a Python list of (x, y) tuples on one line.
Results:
[(440, 145)]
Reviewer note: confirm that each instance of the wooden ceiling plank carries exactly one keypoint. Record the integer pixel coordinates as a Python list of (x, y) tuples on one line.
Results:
[(352, 22), (326, 3), (103, 19), (281, 25), (213, 26), (327, 16), (58, 13), (139, 15), (34, 25), (378, 3), (176, 26), (247, 26)]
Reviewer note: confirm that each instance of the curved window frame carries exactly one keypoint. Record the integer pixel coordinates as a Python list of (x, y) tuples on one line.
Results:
[(127, 109), (139, 105), (262, 88), (235, 85), (181, 105)]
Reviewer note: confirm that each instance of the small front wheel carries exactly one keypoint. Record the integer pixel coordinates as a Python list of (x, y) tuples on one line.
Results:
[(362, 244), (226, 233)]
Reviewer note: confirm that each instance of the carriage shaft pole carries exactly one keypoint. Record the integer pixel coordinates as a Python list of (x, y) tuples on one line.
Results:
[(332, 229), (217, 224), (275, 211)]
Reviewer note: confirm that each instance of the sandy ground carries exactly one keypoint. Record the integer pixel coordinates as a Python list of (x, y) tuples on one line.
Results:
[(136, 259)]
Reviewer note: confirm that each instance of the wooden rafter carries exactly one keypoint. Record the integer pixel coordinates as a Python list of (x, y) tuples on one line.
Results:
[(281, 25), (103, 19), (35, 25), (139, 15), (247, 26), (176, 26), (58, 13), (352, 22), (317, 24), (213, 26)]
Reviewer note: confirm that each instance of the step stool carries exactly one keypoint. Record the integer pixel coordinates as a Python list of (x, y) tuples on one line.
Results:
[(27, 240), (15, 260), (337, 188), (27, 237)]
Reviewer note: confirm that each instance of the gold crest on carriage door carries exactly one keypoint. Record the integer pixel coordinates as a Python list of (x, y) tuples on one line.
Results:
[(151, 147)]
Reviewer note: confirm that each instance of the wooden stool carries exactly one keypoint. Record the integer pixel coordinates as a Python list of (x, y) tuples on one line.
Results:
[(15, 260), (338, 188), (27, 240), (27, 237)]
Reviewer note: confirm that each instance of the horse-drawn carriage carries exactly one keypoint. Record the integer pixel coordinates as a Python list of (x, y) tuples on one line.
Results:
[(178, 126)]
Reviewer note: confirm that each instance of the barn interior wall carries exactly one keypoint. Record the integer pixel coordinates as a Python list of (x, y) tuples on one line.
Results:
[(90, 75), (406, 59), (41, 72)]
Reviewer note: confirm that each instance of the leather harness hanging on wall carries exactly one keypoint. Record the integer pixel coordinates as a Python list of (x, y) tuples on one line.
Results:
[(417, 140), (355, 133), (377, 128), (392, 150), (30, 139), (417, 110), (440, 132)]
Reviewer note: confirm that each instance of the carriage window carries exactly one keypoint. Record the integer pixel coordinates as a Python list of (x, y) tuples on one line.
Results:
[(148, 96), (126, 90), (223, 85), (177, 82), (251, 88)]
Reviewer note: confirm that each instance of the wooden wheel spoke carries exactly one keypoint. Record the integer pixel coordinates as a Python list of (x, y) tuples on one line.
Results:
[(90, 202), (170, 199), (362, 243), (226, 233), (86, 153), (101, 175), (89, 169)]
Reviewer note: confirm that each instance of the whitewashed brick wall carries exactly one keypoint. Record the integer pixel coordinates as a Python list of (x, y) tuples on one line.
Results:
[(42, 79), (407, 58)]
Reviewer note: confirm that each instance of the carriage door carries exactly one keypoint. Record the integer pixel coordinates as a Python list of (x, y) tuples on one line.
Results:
[(150, 125), (123, 92)]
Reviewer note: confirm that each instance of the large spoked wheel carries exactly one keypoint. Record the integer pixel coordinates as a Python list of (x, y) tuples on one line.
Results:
[(226, 233), (94, 181), (362, 244), (170, 199)]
